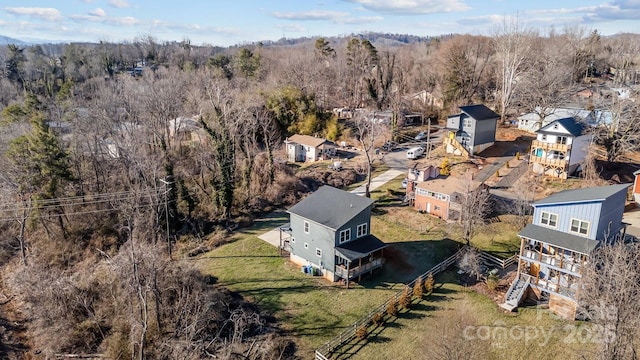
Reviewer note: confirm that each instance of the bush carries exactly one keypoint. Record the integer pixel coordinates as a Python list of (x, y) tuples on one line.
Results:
[(418, 288), (405, 298), (392, 308), (445, 167), (361, 333), (378, 319), (492, 281), (428, 283)]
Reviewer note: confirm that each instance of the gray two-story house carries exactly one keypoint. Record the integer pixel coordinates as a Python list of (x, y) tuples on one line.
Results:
[(554, 248), (330, 231), (471, 131)]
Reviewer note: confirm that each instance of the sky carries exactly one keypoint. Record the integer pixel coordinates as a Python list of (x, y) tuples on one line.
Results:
[(232, 22)]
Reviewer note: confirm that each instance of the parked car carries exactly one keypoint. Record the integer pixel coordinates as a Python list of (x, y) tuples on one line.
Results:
[(421, 136), (389, 145)]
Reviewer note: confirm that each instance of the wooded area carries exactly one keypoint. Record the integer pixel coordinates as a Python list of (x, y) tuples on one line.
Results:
[(102, 184)]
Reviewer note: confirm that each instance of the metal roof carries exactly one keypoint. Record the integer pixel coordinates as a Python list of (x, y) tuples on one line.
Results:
[(479, 112), (558, 238), (331, 207), (599, 193), (361, 247)]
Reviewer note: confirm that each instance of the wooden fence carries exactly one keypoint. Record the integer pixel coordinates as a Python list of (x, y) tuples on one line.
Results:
[(496, 261), (325, 351)]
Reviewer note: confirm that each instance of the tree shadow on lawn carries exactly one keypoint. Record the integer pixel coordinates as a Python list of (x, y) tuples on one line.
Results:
[(509, 248)]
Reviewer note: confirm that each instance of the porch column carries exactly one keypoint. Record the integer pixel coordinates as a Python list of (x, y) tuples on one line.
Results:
[(359, 265), (348, 263)]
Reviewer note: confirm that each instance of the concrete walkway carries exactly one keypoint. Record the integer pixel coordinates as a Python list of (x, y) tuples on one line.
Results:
[(378, 181)]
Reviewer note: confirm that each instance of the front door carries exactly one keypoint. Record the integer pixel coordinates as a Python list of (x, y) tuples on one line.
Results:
[(428, 208)]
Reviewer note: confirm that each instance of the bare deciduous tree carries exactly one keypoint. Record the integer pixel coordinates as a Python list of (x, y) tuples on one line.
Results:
[(513, 43), (474, 207), (608, 296)]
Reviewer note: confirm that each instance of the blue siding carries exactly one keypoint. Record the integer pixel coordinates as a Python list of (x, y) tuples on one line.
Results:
[(485, 132), (322, 237), (319, 236), (361, 218), (612, 210), (584, 211)]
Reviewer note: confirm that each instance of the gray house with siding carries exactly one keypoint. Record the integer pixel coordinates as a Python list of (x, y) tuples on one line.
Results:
[(472, 130), (554, 248), (330, 231)]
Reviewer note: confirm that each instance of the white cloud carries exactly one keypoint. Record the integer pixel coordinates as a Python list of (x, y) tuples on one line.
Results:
[(49, 14), (119, 4), (361, 20), (412, 7), (87, 1), (292, 28), (310, 15), (127, 20), (98, 12)]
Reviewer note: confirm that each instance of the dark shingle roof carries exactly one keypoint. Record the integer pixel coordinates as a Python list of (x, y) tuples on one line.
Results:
[(331, 207), (558, 238), (573, 126), (361, 247), (479, 112), (599, 193)]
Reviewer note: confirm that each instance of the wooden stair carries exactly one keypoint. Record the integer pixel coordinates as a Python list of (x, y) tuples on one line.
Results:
[(456, 144)]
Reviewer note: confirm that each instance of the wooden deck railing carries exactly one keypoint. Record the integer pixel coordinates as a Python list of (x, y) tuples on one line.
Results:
[(359, 270), (496, 261), (550, 146)]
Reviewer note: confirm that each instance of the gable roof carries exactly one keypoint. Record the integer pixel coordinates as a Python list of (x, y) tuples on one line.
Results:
[(558, 238), (573, 126), (479, 112), (331, 207), (599, 193), (309, 140)]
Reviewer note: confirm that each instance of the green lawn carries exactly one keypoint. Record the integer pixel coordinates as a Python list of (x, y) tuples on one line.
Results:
[(314, 310), (457, 323)]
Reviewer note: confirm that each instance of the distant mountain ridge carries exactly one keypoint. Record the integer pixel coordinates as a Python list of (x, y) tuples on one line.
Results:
[(5, 40)]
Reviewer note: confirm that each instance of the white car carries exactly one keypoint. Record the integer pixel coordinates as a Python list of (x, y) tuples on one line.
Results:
[(421, 135)]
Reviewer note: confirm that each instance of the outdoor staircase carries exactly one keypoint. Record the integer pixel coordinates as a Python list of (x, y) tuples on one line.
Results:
[(515, 293), (456, 144)]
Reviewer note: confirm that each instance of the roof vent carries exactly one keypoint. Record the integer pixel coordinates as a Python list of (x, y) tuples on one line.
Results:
[(350, 205)]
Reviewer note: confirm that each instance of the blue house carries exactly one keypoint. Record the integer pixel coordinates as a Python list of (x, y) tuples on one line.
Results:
[(471, 131), (565, 230), (330, 231)]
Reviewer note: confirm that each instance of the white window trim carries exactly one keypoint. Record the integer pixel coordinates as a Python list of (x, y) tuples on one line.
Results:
[(362, 233), (318, 252), (550, 214), (306, 227), (346, 238), (580, 222)]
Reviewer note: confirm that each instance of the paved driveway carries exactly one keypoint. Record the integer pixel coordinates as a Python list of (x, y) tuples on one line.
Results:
[(378, 181)]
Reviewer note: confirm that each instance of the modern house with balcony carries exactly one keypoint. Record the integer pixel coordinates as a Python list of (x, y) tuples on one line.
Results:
[(330, 231), (471, 131), (560, 148), (555, 247)]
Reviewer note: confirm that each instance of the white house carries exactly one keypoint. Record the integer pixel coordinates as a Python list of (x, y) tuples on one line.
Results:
[(540, 118), (560, 148), (302, 148)]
